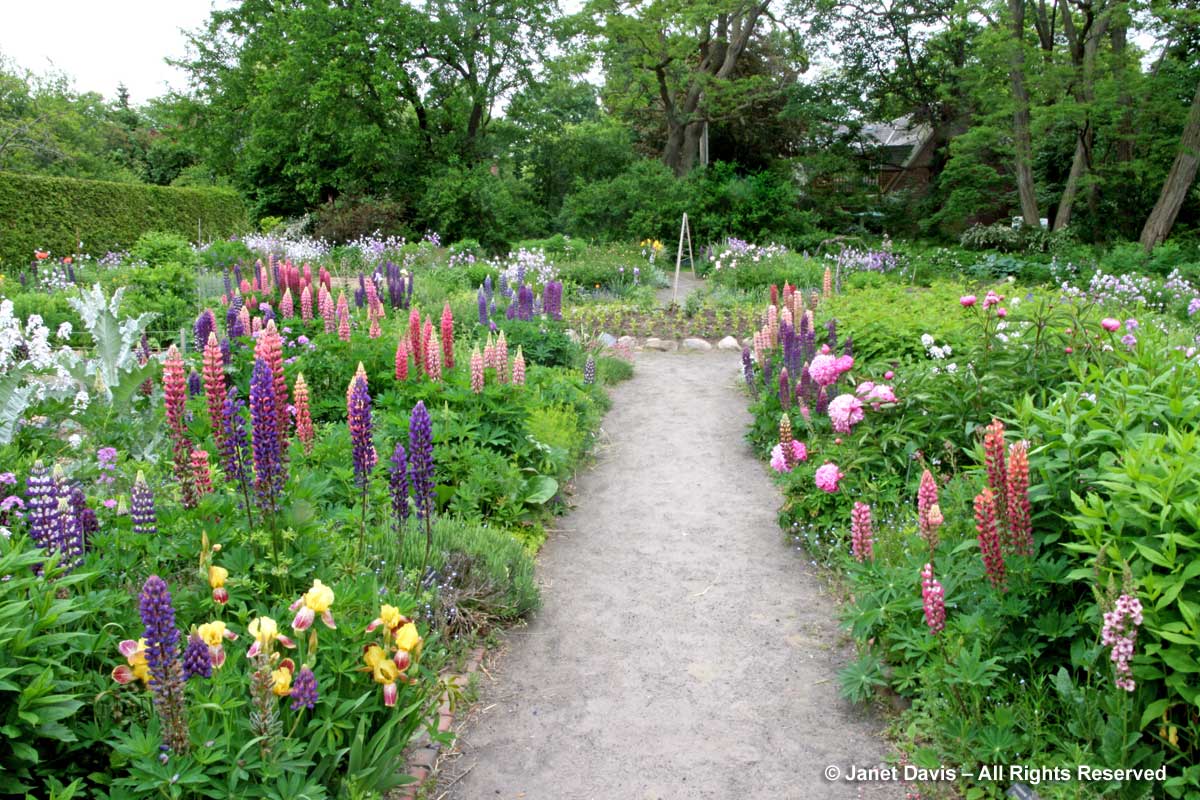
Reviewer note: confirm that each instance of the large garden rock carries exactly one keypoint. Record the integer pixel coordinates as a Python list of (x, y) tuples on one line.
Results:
[(696, 345), (654, 343), (729, 343), (627, 341), (607, 339)]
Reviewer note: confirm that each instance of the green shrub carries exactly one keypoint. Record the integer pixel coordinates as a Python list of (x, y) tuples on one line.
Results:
[(224, 253), (58, 213), (792, 268), (543, 342), (644, 201), (346, 219), (168, 290), (156, 248)]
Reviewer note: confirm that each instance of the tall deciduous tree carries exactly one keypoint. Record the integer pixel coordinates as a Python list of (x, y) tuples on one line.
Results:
[(1022, 139), (1179, 181)]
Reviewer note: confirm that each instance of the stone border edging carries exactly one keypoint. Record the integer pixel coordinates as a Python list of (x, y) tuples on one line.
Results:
[(421, 762)]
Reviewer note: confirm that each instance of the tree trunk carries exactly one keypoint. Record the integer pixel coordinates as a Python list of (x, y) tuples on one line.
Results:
[(1178, 182), (1079, 167), (1120, 34), (1084, 55), (1022, 143)]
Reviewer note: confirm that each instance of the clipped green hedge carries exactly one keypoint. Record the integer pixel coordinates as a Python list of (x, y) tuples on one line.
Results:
[(56, 213)]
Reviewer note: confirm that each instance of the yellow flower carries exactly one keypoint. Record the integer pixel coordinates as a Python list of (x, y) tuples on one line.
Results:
[(316, 600), (213, 633), (390, 617), (282, 678), (372, 655), (136, 669), (407, 638), (266, 632), (217, 576), (385, 671)]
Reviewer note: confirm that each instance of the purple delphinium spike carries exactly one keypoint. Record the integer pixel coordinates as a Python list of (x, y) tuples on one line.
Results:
[(483, 308), (525, 303), (234, 444), (748, 371), (162, 659), (204, 325), (197, 659), (304, 689), (194, 385), (141, 506), (41, 500), (420, 460), (269, 473), (398, 484), (361, 429)]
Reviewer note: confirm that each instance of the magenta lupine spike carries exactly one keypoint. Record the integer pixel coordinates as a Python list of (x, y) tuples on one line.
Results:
[(518, 368), (162, 659), (785, 385), (927, 499), (361, 430), (993, 451), (933, 598), (1020, 523), (476, 371), (269, 348), (306, 304), (343, 329), (861, 534), (325, 306), (447, 336), (989, 538), (287, 307)]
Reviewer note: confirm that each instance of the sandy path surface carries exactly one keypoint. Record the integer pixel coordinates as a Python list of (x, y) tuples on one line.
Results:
[(683, 650), (688, 283)]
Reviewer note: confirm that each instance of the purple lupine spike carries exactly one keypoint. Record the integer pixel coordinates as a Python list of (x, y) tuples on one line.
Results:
[(88, 524), (552, 299), (589, 370), (41, 500), (233, 324), (359, 419), (195, 386), (268, 313), (525, 304), (234, 444), (162, 658), (226, 349), (237, 273), (68, 541), (807, 386), (503, 285), (304, 689), (204, 325), (360, 294), (141, 506), (228, 285), (420, 460), (785, 343), (520, 281), (511, 311), (766, 371), (748, 371), (483, 309), (822, 400), (785, 389), (831, 327), (848, 347), (71, 272), (269, 472), (409, 288), (398, 484), (197, 659), (487, 287)]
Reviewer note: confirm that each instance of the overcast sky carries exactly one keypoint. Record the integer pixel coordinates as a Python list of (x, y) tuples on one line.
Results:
[(100, 43)]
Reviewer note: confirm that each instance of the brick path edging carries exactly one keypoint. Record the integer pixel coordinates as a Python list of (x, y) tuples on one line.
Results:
[(422, 760)]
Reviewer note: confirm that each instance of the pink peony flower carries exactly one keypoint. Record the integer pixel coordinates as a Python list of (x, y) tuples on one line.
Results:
[(887, 376), (1109, 324), (824, 369), (845, 411), (827, 477), (967, 300), (779, 463), (1001, 312), (991, 299)]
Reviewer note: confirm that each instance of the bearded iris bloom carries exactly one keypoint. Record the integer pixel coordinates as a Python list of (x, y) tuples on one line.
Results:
[(316, 600)]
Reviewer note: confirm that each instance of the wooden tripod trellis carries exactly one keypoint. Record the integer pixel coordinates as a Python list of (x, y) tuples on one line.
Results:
[(684, 229)]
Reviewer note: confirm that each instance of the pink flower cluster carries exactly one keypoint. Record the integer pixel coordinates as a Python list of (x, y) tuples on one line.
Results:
[(875, 393), (933, 598), (1119, 633), (825, 368), (827, 477), (779, 462), (845, 411)]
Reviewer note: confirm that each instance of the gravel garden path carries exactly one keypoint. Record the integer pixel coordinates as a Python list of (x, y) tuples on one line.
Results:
[(683, 649)]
